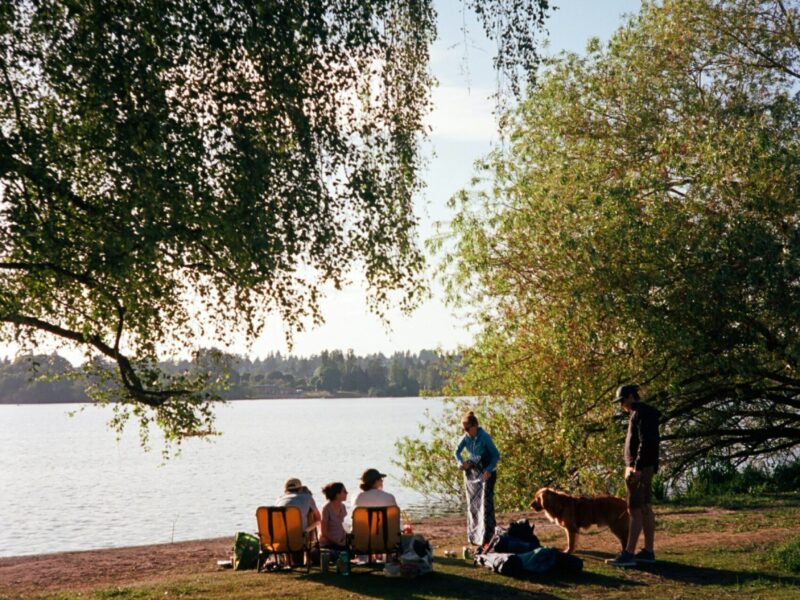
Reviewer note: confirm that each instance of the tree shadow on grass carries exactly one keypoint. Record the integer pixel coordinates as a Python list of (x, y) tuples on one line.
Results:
[(695, 575), (446, 584)]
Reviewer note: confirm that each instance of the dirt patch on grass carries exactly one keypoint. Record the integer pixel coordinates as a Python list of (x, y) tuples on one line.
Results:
[(21, 576)]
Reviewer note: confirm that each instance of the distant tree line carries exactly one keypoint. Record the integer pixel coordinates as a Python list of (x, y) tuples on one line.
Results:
[(41, 379)]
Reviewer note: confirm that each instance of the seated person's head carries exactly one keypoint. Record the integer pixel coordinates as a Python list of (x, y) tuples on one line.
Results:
[(293, 485), (335, 491), (372, 479)]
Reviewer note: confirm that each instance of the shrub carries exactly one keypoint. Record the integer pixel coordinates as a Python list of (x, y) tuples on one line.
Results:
[(786, 478), (722, 478), (787, 556)]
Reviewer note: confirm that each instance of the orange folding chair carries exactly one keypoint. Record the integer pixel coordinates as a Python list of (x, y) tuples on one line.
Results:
[(376, 530), (281, 535)]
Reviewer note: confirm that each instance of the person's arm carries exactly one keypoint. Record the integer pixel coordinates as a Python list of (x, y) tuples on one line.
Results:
[(461, 445), (314, 512), (324, 525), (494, 453), (642, 434)]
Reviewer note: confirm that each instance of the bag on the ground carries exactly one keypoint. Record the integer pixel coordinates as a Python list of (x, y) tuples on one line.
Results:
[(567, 564), (508, 544), (245, 551), (517, 538), (501, 562), (551, 561), (417, 556), (539, 561), (523, 530)]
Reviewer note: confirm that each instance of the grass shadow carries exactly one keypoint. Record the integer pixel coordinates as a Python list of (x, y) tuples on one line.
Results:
[(439, 583), (683, 573), (445, 583)]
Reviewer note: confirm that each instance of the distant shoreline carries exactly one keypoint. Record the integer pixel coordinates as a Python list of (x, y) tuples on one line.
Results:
[(337, 396)]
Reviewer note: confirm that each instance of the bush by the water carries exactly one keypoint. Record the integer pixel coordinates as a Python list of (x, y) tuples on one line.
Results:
[(722, 479), (787, 556)]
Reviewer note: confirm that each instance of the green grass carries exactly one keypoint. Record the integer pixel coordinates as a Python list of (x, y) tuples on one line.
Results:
[(735, 501), (713, 572), (757, 559), (787, 556), (736, 521)]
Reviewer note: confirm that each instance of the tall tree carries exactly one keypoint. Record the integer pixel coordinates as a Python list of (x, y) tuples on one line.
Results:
[(643, 226), (181, 168)]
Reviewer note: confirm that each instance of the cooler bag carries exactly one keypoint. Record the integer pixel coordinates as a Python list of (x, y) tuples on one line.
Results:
[(245, 551)]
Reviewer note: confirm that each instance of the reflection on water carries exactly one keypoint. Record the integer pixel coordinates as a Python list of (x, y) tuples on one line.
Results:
[(68, 484)]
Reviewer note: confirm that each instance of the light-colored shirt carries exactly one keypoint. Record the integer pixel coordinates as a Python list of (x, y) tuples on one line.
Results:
[(480, 448), (374, 498), (332, 524), (302, 500)]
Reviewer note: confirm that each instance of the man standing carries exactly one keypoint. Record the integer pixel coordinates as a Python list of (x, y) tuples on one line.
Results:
[(641, 463)]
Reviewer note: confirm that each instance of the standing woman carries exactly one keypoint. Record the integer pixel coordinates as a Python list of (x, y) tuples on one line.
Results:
[(479, 479)]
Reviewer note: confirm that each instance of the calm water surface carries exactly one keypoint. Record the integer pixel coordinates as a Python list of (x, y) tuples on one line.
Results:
[(66, 483)]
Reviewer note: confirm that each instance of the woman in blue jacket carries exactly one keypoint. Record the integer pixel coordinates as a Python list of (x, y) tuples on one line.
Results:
[(480, 476)]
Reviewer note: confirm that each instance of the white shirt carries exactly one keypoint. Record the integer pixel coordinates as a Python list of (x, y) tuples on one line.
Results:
[(374, 498)]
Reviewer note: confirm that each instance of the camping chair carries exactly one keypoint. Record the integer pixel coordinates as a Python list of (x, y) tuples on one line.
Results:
[(376, 530), (281, 533)]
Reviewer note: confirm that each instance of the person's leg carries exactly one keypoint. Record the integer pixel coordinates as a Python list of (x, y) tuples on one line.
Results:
[(635, 529), (634, 510), (648, 517), (488, 506), (649, 526)]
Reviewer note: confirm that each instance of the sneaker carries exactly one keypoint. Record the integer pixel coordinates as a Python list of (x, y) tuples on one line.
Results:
[(623, 559), (645, 556)]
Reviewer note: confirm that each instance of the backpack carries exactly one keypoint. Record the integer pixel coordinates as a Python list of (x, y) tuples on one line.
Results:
[(523, 530), (508, 544), (246, 548), (550, 561), (417, 556), (539, 561), (567, 564), (506, 564)]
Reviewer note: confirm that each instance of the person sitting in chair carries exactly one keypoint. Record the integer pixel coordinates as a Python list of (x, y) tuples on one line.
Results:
[(333, 513), (373, 494), (296, 494)]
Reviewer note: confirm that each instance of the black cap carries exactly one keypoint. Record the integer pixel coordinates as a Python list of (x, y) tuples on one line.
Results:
[(624, 391), (370, 476)]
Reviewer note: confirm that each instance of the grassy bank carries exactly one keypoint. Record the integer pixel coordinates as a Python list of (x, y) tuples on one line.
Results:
[(703, 551)]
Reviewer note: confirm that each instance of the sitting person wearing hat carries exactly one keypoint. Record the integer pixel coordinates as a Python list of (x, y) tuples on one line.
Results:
[(296, 494), (373, 494)]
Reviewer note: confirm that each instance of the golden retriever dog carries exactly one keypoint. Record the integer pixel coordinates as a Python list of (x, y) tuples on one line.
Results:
[(574, 513)]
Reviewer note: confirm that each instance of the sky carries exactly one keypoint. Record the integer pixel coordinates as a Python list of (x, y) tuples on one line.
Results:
[(463, 130)]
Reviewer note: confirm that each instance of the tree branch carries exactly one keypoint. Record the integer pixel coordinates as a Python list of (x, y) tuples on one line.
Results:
[(130, 379)]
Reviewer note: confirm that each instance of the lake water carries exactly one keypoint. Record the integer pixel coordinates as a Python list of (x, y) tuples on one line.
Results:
[(66, 483)]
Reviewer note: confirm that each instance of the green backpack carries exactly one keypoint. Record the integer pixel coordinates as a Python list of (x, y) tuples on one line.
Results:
[(245, 551)]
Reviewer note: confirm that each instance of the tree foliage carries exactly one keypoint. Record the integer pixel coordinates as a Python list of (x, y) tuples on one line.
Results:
[(641, 225), (176, 170)]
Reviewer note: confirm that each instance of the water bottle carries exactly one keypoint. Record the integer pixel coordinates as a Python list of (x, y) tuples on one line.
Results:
[(345, 558)]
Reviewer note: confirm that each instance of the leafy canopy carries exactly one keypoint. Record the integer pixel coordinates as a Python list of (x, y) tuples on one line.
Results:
[(178, 169), (641, 225)]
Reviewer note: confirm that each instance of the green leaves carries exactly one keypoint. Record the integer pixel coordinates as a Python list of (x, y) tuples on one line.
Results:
[(177, 170), (643, 227)]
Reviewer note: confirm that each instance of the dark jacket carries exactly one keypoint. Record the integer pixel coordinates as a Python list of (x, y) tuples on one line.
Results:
[(641, 443)]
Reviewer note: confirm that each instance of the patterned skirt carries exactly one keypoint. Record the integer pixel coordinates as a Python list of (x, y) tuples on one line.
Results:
[(480, 506)]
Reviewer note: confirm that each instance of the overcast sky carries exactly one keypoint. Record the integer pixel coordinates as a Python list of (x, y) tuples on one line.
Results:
[(463, 130)]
